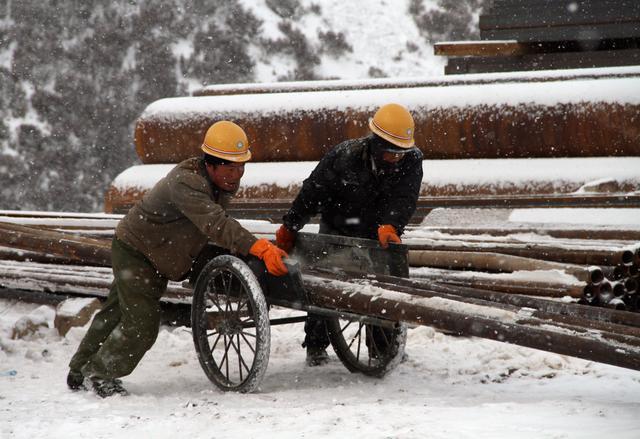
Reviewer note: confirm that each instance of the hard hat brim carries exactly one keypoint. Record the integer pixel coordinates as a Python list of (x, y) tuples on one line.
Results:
[(244, 156), (405, 144)]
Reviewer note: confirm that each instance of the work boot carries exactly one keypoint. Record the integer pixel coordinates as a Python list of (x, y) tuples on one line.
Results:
[(108, 387), (317, 357), (75, 380)]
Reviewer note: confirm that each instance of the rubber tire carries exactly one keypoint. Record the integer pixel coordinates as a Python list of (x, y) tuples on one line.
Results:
[(391, 357), (257, 308)]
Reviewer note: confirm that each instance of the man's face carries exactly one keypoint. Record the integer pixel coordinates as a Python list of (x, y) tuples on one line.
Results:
[(226, 177), (392, 157), (386, 155)]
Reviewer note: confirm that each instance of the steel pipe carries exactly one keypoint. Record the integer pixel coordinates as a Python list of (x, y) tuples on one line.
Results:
[(473, 320), (486, 261)]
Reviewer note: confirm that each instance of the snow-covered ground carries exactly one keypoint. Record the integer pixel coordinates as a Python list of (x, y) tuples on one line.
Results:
[(449, 387)]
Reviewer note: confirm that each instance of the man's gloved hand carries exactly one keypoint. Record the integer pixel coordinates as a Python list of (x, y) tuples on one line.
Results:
[(271, 255), (386, 234), (285, 238)]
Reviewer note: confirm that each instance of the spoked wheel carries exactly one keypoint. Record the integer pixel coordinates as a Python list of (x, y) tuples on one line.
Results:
[(230, 324), (367, 348)]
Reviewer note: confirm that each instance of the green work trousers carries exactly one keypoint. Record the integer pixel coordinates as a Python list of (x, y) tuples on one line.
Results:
[(127, 325)]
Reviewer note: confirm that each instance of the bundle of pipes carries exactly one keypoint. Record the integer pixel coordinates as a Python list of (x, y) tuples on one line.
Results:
[(85, 280), (545, 114), (537, 274), (74, 248), (93, 225), (595, 337), (607, 336), (603, 273)]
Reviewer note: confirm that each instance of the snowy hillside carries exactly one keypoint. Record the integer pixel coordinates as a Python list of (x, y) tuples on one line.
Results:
[(74, 76), (381, 39)]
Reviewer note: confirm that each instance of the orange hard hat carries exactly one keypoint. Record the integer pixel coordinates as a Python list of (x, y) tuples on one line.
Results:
[(394, 123), (227, 141)]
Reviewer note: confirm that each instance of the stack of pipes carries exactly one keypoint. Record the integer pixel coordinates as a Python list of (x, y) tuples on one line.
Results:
[(562, 263), (603, 335), (593, 271)]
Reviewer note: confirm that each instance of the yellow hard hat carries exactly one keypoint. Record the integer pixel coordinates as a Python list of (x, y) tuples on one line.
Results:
[(227, 141), (394, 123)]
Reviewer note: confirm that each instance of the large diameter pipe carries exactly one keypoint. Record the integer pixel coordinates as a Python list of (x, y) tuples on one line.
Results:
[(295, 126), (508, 285), (568, 233), (594, 255), (479, 261), (473, 320)]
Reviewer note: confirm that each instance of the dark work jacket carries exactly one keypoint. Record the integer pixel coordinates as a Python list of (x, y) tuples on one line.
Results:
[(174, 220), (352, 197)]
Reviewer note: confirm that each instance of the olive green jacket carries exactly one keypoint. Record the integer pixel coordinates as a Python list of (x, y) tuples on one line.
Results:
[(175, 219)]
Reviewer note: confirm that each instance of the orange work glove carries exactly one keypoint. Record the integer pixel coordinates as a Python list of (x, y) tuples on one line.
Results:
[(386, 234), (271, 255), (285, 238)]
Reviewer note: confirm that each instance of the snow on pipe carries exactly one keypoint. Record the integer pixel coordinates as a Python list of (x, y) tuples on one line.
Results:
[(568, 233), (83, 280), (555, 307), (474, 320), (443, 81), (567, 318), (480, 261), (556, 118), (541, 310), (592, 255), (63, 245), (551, 288)]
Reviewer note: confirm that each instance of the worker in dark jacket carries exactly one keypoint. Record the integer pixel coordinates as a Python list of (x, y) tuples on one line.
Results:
[(365, 188), (159, 240)]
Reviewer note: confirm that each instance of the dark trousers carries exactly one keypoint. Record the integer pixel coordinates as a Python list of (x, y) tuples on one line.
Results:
[(315, 327), (127, 325), (316, 333)]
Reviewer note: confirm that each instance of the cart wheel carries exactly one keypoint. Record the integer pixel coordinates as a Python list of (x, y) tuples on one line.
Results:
[(230, 324), (366, 348)]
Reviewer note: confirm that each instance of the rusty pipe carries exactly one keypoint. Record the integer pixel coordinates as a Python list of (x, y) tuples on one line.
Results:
[(474, 320), (618, 288), (481, 261), (295, 125), (462, 294), (605, 292), (615, 272), (579, 255), (616, 303), (632, 235), (577, 310), (81, 249), (507, 285), (631, 285)]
